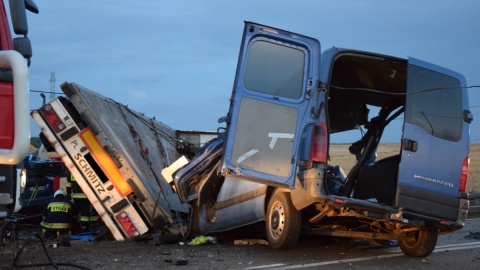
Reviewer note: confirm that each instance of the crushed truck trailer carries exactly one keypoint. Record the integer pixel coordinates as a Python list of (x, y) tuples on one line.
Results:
[(117, 155)]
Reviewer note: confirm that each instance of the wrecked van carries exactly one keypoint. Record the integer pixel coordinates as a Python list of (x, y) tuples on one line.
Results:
[(273, 162)]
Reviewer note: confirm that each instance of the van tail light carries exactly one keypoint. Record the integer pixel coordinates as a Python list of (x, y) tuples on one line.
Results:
[(338, 200), (127, 224), (464, 176), (52, 118), (319, 143), (445, 222)]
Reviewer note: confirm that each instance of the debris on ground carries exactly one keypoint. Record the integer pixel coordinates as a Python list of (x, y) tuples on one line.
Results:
[(63, 241), (250, 242), (177, 258), (85, 236), (473, 235), (200, 240)]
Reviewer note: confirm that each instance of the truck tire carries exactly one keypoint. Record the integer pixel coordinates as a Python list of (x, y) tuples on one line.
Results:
[(422, 246), (284, 222)]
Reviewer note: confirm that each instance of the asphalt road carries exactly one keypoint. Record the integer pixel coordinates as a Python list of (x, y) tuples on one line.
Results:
[(459, 250)]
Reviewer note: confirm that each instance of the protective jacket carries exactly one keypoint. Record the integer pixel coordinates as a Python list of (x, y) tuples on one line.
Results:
[(86, 211), (58, 215)]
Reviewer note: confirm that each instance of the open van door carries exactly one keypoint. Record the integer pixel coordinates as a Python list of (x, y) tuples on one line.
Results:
[(276, 74), (435, 141)]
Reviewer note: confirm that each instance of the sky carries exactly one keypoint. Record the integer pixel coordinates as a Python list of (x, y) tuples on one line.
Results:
[(176, 60)]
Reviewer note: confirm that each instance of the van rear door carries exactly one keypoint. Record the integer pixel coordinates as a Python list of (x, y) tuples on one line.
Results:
[(435, 141), (276, 73)]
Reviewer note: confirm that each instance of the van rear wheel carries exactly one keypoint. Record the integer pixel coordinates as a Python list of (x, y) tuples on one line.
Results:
[(284, 222), (423, 244)]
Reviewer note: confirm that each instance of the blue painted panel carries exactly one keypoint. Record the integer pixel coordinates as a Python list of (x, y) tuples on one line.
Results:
[(276, 75)]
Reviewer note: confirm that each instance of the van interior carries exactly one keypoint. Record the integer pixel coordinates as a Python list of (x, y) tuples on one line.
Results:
[(366, 92)]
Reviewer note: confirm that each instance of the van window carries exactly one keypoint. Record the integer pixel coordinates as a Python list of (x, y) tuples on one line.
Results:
[(275, 69), (435, 103)]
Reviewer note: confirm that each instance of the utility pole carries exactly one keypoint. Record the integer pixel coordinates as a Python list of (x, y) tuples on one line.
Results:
[(52, 86)]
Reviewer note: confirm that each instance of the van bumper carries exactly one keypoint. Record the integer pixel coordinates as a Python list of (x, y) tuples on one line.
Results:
[(444, 224), (387, 212)]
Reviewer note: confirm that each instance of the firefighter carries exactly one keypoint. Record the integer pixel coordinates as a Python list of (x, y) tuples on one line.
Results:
[(86, 212), (58, 217)]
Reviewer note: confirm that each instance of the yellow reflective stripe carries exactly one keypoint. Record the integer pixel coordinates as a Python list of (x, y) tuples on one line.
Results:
[(59, 207), (79, 196), (88, 219), (57, 226), (57, 204)]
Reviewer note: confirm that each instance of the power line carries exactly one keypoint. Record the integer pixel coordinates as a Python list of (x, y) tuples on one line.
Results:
[(401, 94), (42, 91)]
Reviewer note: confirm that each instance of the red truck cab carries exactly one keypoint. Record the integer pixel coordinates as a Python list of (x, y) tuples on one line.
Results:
[(14, 130), (15, 57)]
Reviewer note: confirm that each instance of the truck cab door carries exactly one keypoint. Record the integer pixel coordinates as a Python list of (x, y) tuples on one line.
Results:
[(270, 104), (435, 141)]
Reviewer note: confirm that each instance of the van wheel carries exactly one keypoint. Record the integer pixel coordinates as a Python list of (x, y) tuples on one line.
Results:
[(284, 222), (422, 246)]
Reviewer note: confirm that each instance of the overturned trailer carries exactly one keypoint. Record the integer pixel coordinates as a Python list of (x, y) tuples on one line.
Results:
[(116, 155)]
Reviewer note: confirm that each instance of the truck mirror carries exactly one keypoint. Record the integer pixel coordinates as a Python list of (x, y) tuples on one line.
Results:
[(19, 17), (31, 6), (23, 46)]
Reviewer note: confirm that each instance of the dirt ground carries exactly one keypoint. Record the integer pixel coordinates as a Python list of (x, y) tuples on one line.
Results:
[(141, 254), (121, 255), (225, 254)]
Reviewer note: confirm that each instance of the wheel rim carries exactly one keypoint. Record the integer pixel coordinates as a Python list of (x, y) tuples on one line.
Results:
[(412, 242), (277, 220)]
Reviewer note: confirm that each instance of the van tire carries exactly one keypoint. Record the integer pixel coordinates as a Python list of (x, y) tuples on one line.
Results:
[(425, 242), (284, 222)]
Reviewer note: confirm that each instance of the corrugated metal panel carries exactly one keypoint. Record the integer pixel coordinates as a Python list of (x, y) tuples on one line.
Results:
[(142, 145)]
